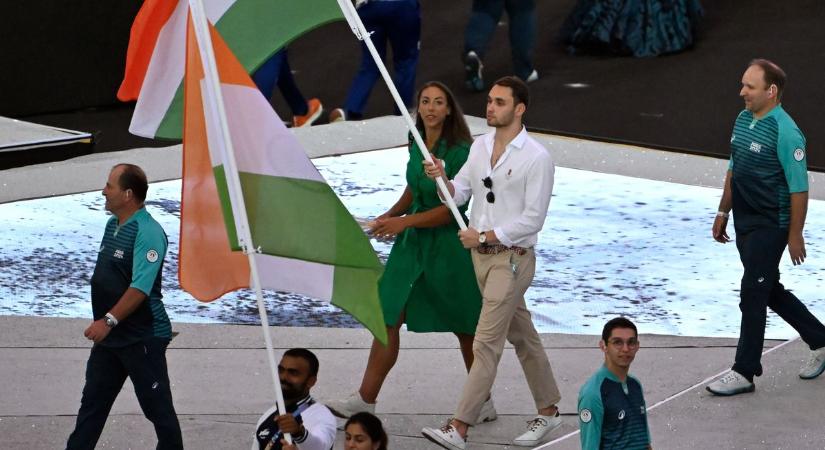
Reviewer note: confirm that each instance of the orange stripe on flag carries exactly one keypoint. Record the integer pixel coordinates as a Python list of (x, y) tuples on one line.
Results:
[(146, 28), (207, 266), (230, 71)]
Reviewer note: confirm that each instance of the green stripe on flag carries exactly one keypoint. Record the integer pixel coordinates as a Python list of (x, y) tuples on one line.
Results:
[(304, 219), (251, 26), (171, 125), (226, 207), (356, 292)]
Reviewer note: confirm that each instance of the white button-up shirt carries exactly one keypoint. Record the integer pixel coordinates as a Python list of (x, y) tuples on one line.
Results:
[(522, 184)]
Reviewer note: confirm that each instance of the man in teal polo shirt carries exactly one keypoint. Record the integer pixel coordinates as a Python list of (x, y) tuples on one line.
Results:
[(130, 329), (767, 188), (612, 409)]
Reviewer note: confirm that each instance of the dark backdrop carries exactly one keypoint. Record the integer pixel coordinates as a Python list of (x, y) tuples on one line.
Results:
[(64, 62)]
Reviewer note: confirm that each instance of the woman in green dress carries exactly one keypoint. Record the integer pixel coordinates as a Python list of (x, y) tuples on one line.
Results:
[(429, 282)]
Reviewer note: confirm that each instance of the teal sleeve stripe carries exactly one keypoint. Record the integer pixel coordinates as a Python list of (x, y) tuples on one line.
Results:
[(147, 259), (590, 404), (796, 172)]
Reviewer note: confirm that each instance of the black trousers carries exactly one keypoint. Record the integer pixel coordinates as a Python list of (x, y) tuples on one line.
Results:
[(760, 251), (145, 364)]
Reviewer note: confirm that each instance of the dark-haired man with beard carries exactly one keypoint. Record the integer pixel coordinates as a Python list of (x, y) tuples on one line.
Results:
[(509, 176), (311, 424)]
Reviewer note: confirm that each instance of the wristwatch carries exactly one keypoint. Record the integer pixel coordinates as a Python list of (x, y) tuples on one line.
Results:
[(110, 320), (482, 237)]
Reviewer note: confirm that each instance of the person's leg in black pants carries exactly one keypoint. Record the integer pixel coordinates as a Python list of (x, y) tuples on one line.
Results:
[(104, 378), (760, 251), (797, 315), (404, 36), (146, 364), (522, 14), (286, 84)]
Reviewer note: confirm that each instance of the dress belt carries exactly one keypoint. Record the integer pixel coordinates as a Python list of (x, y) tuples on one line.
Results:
[(495, 249)]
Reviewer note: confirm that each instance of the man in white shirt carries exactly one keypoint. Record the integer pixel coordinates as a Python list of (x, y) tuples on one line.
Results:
[(510, 178)]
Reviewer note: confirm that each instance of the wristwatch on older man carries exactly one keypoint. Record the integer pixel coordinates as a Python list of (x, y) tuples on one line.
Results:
[(482, 238), (110, 320)]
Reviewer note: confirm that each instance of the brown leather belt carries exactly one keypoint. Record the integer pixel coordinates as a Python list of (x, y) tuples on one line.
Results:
[(495, 249)]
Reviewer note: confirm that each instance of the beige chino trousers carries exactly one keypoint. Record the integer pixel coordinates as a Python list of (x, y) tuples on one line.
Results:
[(503, 279)]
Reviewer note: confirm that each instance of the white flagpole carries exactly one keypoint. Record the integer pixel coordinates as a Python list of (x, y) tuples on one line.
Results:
[(216, 104), (361, 33)]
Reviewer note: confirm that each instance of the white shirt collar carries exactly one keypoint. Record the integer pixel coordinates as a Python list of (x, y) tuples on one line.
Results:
[(517, 142)]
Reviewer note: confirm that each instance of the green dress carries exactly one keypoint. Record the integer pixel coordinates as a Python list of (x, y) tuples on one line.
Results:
[(428, 273)]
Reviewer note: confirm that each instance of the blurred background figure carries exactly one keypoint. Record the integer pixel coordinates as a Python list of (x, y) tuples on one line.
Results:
[(276, 70), (483, 21), (640, 28), (396, 21)]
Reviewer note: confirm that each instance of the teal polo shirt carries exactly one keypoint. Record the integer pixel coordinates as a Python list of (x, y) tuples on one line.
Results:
[(131, 255), (612, 414), (768, 162)]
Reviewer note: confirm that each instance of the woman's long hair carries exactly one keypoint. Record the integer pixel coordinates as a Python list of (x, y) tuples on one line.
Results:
[(455, 128), (372, 426)]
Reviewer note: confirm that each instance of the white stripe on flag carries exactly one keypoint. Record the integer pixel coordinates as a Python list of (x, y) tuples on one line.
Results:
[(263, 145), (295, 275), (166, 68)]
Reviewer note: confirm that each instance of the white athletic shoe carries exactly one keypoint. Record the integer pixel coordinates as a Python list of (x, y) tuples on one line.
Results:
[(347, 407), (537, 430), (488, 412), (731, 384), (446, 436), (815, 365)]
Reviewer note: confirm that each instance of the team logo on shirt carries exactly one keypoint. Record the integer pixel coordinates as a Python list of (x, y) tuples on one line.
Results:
[(152, 255), (118, 254), (799, 154), (264, 434), (585, 416), (621, 415), (756, 147)]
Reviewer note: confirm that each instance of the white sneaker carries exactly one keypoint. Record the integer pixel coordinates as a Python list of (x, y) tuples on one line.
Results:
[(488, 412), (349, 406), (537, 430), (731, 384), (815, 365), (446, 436)]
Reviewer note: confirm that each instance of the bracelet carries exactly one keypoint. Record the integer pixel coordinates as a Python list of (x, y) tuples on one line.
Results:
[(722, 214), (112, 318)]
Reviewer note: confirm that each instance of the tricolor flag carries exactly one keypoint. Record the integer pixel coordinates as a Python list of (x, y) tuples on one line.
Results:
[(254, 29), (309, 243)]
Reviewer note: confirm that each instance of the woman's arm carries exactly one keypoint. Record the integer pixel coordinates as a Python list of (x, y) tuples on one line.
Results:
[(401, 206), (390, 226)]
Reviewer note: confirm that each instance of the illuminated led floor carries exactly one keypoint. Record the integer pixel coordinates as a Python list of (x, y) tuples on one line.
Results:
[(611, 245)]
